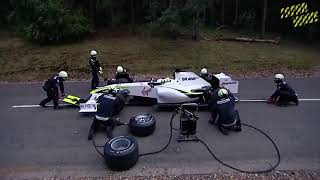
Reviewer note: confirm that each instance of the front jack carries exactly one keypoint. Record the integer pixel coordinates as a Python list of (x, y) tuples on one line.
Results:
[(188, 122)]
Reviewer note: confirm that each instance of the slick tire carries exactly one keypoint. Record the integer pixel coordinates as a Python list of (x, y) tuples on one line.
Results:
[(142, 124), (121, 153)]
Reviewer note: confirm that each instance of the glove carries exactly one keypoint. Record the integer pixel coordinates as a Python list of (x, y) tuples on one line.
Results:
[(100, 70), (271, 100)]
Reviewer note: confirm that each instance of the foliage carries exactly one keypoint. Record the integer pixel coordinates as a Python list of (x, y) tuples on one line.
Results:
[(247, 19), (48, 21), (169, 22), (56, 20), (116, 13), (153, 11), (4, 11)]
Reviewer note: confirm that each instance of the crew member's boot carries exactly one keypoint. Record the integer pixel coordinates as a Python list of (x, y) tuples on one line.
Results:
[(223, 130), (109, 131)]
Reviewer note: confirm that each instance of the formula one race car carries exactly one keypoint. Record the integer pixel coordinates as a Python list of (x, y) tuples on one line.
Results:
[(185, 87)]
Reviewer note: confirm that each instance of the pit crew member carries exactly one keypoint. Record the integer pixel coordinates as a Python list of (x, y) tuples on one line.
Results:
[(52, 89), (109, 105), (284, 94), (122, 75), (224, 115), (95, 69)]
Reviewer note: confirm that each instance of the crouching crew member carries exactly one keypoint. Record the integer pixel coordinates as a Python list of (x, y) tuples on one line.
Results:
[(109, 106), (222, 104), (210, 78), (95, 69), (52, 89), (205, 75), (284, 94), (122, 76)]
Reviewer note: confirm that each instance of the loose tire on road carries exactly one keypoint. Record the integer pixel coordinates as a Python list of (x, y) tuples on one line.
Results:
[(142, 124), (121, 153)]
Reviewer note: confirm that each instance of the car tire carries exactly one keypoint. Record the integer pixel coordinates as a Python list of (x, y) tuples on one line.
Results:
[(121, 153), (142, 124)]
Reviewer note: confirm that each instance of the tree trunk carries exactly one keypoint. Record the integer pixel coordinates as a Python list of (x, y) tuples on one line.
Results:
[(112, 16), (211, 12), (204, 18), (195, 34), (264, 19), (133, 20), (236, 13), (93, 4), (69, 3), (222, 12)]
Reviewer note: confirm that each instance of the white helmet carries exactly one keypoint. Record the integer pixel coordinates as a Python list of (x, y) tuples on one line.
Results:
[(63, 74), (93, 53), (119, 69), (278, 77), (222, 92), (203, 71)]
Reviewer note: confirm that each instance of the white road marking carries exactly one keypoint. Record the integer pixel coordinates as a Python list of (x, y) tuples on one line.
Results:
[(252, 100), (241, 100), (263, 100), (309, 99), (36, 105)]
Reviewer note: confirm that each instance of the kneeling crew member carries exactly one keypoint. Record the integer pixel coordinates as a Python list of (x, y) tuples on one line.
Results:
[(223, 104), (52, 90), (109, 106), (284, 94)]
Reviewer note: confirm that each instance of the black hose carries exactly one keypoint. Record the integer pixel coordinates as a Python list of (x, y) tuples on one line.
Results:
[(96, 147), (244, 171), (171, 128), (209, 150)]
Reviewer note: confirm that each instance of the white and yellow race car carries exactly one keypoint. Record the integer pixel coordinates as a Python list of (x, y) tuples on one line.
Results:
[(183, 88)]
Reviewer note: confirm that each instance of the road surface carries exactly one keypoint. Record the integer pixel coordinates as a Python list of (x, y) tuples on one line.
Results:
[(44, 142)]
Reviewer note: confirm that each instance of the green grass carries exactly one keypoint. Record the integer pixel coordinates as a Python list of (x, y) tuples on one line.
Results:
[(20, 60)]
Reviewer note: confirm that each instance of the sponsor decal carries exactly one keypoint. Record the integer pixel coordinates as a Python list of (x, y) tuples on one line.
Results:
[(189, 78), (145, 91)]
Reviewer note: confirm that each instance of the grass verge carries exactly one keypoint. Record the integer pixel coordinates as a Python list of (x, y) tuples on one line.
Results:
[(23, 61)]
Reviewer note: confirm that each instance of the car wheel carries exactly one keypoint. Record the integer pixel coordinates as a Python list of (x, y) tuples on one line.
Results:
[(142, 124), (121, 153)]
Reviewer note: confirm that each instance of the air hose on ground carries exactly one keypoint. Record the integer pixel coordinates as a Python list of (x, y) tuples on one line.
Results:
[(244, 171), (210, 151), (144, 154), (170, 137)]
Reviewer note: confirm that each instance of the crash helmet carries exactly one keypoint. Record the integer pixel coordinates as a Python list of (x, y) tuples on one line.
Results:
[(93, 53), (63, 75), (278, 78), (119, 69), (222, 92), (203, 71)]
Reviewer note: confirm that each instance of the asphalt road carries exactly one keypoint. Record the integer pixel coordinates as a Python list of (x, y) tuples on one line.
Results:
[(45, 142)]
